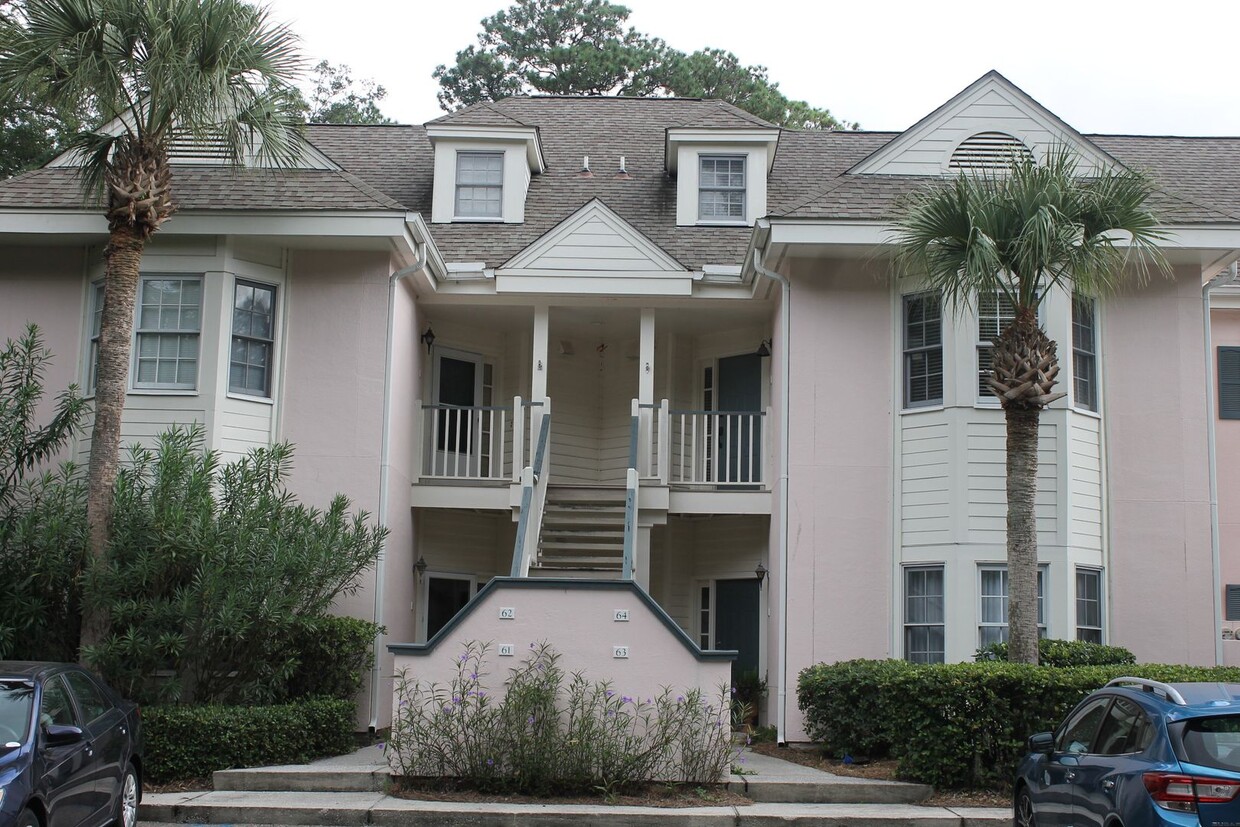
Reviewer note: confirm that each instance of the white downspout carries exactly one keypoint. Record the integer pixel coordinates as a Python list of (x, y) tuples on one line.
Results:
[(385, 465), (1211, 414), (785, 343)]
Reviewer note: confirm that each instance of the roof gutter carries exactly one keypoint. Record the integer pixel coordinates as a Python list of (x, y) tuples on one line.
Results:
[(385, 467), (785, 344), (1227, 277)]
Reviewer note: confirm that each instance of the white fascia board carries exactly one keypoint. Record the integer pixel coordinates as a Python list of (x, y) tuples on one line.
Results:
[(829, 232), (706, 137), (523, 134), (422, 234), (880, 233), (325, 224), (653, 284)]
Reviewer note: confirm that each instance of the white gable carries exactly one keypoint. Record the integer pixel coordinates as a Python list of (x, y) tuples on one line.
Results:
[(594, 250), (992, 104)]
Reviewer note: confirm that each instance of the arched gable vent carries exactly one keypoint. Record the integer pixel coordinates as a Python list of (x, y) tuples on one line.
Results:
[(989, 150)]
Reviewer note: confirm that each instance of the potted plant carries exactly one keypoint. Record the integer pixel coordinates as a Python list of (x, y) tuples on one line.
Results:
[(747, 693)]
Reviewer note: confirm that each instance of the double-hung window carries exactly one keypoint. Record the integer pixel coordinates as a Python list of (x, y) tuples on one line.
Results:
[(1089, 605), (993, 627), (96, 327), (923, 614), (169, 323), (994, 313), (1084, 353), (479, 184), (923, 350), (253, 339), (721, 188)]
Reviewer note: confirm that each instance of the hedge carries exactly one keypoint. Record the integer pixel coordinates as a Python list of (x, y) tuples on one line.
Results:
[(1053, 652), (333, 654), (191, 742), (961, 725)]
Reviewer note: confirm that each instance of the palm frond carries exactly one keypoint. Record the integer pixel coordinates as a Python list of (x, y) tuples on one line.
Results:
[(1029, 228)]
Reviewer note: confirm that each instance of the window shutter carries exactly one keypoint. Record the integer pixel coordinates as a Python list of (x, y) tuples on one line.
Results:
[(1233, 602), (1229, 383)]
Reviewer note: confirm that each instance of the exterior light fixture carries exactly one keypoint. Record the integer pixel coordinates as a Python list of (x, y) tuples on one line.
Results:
[(428, 338), (420, 566), (760, 572), (764, 349)]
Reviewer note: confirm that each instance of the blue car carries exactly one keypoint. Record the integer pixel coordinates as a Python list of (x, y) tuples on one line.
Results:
[(70, 749), (1137, 753)]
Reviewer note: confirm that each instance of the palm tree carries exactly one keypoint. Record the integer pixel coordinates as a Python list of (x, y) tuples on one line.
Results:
[(1020, 232), (154, 71)]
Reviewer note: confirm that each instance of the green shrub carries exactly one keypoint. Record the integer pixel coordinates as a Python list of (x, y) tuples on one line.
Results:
[(42, 512), (333, 654), (957, 725), (553, 732), (1065, 653), (191, 742), (209, 570)]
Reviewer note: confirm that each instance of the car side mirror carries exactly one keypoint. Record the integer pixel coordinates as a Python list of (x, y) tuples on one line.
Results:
[(58, 735), (1043, 742)]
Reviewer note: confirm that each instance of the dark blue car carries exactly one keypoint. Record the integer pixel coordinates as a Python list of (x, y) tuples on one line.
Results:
[(70, 749), (1137, 753)]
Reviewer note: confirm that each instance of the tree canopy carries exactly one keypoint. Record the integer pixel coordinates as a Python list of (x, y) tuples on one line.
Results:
[(582, 47), (336, 97)]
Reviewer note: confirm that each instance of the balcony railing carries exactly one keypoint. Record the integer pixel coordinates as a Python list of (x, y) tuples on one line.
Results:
[(474, 442), (700, 448)]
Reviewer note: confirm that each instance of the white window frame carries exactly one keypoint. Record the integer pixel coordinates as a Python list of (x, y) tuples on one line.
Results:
[(96, 328), (270, 341), (1043, 576), (139, 331), (704, 615), (1085, 357), (983, 346), (457, 213), (424, 595), (1089, 571), (743, 189), (909, 352), (928, 624)]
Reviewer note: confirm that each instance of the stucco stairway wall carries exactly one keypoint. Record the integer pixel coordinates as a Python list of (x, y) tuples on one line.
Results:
[(578, 619)]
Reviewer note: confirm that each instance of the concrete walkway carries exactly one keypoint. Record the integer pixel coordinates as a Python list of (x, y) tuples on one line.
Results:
[(349, 790)]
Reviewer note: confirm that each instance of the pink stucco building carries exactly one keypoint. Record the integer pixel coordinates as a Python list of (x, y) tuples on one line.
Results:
[(658, 340)]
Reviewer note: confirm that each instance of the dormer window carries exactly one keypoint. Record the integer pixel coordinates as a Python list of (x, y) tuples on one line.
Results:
[(479, 184), (721, 188)]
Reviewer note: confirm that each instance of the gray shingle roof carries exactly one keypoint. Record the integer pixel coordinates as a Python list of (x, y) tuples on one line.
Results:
[(213, 188), (391, 167)]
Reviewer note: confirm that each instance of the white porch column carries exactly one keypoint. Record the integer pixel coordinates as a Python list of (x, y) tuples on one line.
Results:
[(641, 561), (645, 395), (538, 372), (538, 367), (645, 360)]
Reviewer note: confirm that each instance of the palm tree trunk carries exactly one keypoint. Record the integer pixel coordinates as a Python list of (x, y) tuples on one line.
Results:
[(1022, 541), (115, 335)]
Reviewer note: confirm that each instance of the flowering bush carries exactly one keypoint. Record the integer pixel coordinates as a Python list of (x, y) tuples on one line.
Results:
[(554, 732)]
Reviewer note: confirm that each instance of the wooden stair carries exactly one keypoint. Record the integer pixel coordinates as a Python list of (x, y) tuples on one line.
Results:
[(582, 533)]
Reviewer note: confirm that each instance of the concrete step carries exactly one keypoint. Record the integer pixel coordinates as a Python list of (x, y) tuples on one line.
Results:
[(336, 808), (578, 495), (566, 546), (301, 778), (574, 517)]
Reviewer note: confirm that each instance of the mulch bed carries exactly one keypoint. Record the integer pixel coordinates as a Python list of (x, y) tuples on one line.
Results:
[(883, 770)]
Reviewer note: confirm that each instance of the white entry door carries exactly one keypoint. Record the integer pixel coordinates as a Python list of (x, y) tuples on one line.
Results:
[(458, 446)]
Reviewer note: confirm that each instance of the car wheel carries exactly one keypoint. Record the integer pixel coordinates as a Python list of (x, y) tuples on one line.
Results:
[(1024, 809), (127, 804), (28, 819)]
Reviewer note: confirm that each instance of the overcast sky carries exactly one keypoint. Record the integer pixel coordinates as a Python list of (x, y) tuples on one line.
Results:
[(1117, 67)]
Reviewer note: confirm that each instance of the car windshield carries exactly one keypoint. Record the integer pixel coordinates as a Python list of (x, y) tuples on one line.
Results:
[(15, 700), (1213, 742)]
